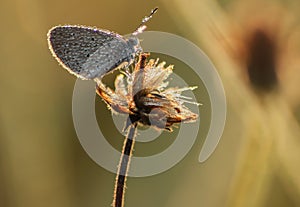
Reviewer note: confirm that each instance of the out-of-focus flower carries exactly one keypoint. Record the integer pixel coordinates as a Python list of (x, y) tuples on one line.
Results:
[(262, 38), (255, 47)]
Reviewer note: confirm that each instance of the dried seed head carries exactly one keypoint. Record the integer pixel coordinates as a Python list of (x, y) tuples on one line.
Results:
[(143, 95)]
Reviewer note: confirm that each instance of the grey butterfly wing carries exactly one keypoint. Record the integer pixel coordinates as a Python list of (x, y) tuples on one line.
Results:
[(88, 52), (111, 55)]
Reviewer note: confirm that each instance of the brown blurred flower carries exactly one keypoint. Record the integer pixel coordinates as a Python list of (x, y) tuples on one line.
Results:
[(255, 46), (262, 35)]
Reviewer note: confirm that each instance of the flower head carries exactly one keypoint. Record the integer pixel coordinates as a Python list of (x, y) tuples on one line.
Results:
[(143, 94)]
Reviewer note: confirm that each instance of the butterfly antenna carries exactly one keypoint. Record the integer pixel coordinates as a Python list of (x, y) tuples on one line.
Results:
[(142, 26)]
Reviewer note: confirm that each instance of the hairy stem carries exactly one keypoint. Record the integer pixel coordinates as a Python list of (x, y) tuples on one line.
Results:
[(123, 167)]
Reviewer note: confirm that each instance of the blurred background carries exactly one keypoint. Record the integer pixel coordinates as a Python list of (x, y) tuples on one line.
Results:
[(255, 46)]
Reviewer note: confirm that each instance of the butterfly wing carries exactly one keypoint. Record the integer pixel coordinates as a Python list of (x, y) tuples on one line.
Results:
[(88, 52)]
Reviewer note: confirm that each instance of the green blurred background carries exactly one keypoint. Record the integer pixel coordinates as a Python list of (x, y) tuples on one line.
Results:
[(257, 161)]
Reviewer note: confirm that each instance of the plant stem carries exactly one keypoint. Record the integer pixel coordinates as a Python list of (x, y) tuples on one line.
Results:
[(123, 167)]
